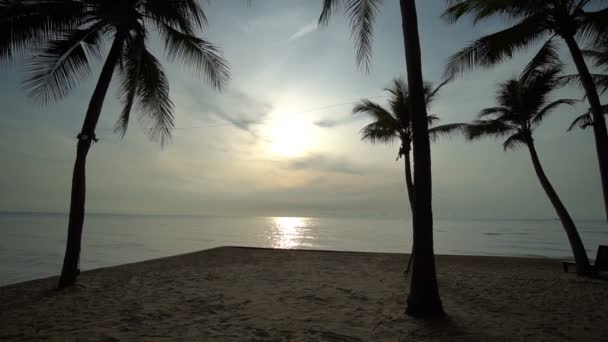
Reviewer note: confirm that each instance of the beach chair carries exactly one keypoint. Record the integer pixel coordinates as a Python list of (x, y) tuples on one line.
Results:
[(600, 264)]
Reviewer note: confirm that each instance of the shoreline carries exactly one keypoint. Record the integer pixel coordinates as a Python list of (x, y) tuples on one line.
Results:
[(500, 256), (265, 294)]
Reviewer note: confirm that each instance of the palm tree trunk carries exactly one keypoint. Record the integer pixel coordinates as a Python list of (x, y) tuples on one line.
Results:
[(423, 300), (599, 123), (86, 137), (578, 249), (409, 184)]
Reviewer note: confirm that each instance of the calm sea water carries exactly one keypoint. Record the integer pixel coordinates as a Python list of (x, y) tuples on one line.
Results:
[(32, 245)]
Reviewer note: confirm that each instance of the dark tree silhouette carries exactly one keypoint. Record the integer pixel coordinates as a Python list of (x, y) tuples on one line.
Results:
[(423, 300), (61, 38), (598, 53), (394, 125), (523, 103), (535, 20)]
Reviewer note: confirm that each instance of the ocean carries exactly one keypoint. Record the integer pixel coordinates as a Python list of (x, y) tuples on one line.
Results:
[(32, 245)]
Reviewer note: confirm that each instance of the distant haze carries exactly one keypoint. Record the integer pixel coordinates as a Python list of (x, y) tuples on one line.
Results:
[(261, 147)]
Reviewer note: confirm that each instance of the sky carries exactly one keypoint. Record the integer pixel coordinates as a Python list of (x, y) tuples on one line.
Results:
[(281, 139)]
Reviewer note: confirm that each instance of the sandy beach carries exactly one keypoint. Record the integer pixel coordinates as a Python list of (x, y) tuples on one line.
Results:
[(250, 294)]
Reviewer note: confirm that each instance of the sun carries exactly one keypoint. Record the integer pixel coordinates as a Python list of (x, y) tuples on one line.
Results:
[(289, 136)]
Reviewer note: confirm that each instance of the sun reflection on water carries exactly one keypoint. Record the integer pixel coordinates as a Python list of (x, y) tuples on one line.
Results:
[(289, 232)]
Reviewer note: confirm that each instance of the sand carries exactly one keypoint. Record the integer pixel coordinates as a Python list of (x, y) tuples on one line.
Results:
[(249, 294)]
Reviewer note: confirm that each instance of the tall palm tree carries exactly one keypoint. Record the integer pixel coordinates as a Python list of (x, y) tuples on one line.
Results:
[(523, 103), (534, 21), (66, 36), (423, 300), (395, 125)]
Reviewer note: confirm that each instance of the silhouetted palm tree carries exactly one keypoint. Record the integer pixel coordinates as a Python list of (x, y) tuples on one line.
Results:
[(66, 36), (395, 124), (523, 103), (423, 300), (535, 20)]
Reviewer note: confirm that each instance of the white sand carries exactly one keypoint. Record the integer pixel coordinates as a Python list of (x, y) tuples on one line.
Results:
[(243, 294)]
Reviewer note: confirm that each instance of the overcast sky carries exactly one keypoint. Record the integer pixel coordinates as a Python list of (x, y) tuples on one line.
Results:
[(264, 147)]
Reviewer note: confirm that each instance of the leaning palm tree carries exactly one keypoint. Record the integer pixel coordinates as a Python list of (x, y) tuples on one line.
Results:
[(423, 300), (535, 20), (66, 36), (523, 103)]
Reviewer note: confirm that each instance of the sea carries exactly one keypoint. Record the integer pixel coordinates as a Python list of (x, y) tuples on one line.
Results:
[(32, 244)]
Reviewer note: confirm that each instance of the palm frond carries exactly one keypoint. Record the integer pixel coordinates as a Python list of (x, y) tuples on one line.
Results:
[(62, 63), (378, 132), (593, 26), (362, 17), (494, 112), (179, 14), (447, 131), (514, 141), (547, 56), (204, 56), (488, 128), (600, 58), (376, 112), (583, 121), (537, 88), (548, 109), (399, 101), (329, 6), (27, 22), (431, 94), (130, 68), (431, 119), (601, 81), (497, 47), (153, 99), (482, 9)]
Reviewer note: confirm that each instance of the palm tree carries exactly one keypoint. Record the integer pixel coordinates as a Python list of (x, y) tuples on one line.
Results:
[(395, 124), (67, 35), (535, 20), (523, 103), (423, 300)]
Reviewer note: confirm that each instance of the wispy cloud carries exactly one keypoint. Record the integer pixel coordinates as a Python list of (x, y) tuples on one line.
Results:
[(330, 123), (242, 110), (304, 30), (326, 163), (236, 107)]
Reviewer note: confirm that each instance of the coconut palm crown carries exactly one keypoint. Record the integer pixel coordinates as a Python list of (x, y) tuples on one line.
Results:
[(396, 124), (61, 39)]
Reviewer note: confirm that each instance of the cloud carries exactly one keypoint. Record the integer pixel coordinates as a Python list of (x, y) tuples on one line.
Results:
[(330, 123), (242, 111), (238, 108), (325, 163), (304, 30)]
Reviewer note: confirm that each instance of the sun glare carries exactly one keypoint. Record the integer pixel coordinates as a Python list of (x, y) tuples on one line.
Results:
[(289, 136), (289, 232)]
